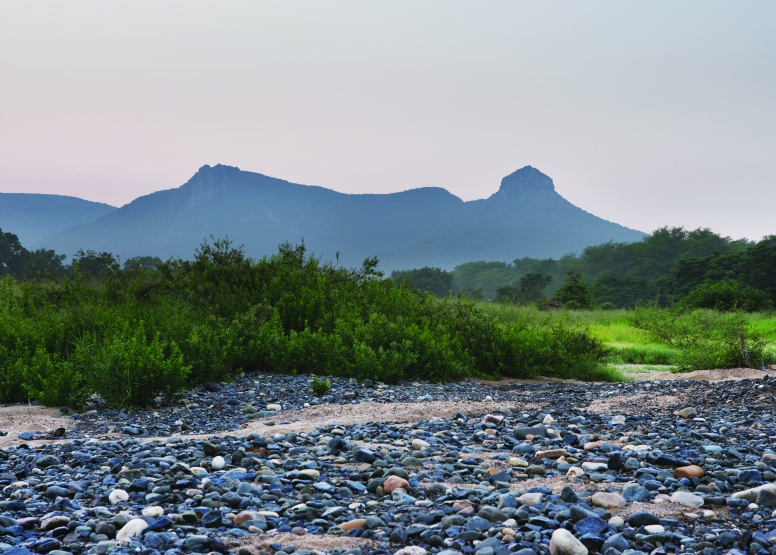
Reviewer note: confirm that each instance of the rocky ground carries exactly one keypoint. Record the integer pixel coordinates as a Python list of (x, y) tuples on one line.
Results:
[(263, 466)]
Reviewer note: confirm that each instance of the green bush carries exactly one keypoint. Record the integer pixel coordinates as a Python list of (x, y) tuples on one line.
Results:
[(726, 295), (705, 338), (320, 387), (127, 370), (574, 294), (148, 329)]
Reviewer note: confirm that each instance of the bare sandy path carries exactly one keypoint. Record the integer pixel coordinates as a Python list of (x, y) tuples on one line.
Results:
[(15, 419)]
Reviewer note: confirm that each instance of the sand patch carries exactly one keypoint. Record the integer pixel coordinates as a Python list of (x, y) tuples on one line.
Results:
[(729, 374), (667, 509), (26, 418), (346, 415), (23, 418), (641, 402), (312, 542)]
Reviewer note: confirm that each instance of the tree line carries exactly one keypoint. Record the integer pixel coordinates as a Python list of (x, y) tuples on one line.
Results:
[(671, 265)]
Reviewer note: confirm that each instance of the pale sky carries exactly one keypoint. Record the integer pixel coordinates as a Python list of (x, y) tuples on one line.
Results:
[(644, 113)]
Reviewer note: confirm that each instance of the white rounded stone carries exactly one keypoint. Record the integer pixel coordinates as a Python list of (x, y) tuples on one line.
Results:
[(687, 499), (654, 529), (218, 463), (153, 512), (563, 542), (117, 496), (132, 529)]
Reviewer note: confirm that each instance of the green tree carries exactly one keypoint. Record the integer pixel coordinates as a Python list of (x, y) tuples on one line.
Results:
[(532, 286), (142, 263), (13, 256), (574, 293), (437, 281), (96, 265), (45, 261), (725, 296)]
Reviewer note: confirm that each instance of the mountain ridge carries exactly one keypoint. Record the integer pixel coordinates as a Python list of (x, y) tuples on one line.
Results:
[(423, 226), (34, 216)]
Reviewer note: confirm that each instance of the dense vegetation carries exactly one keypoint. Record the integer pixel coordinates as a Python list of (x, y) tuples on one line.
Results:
[(676, 339), (665, 267), (148, 329)]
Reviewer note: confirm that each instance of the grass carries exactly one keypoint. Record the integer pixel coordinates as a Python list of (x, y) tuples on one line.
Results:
[(632, 350)]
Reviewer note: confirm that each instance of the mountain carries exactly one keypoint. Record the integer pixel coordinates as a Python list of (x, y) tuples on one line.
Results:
[(427, 226), (33, 217)]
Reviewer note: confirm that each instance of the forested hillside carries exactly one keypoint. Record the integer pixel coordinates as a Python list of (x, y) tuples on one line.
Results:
[(664, 266)]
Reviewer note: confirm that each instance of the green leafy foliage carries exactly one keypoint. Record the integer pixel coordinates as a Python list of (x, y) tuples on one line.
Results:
[(320, 387), (127, 369), (529, 288), (575, 293), (625, 274), (435, 280), (148, 329), (705, 338), (726, 295)]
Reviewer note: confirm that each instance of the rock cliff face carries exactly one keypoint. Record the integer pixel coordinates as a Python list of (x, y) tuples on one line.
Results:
[(418, 227)]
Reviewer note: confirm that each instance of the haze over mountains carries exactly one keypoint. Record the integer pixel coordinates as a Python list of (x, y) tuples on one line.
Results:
[(418, 227), (34, 217)]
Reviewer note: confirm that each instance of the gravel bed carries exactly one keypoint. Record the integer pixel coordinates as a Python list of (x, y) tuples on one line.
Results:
[(640, 467)]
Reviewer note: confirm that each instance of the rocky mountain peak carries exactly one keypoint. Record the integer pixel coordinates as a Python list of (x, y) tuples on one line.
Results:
[(526, 179)]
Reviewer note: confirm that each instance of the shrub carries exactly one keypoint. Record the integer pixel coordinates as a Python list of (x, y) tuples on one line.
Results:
[(574, 294), (706, 338), (127, 370), (320, 387), (131, 334), (726, 295), (435, 280)]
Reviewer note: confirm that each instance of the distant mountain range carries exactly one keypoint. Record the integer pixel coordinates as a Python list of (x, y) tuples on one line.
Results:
[(35, 217), (419, 227)]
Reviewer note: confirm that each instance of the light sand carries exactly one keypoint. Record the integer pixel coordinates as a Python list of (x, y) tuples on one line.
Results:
[(312, 542)]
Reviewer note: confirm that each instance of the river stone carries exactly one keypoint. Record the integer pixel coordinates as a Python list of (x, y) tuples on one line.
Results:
[(608, 500), (310, 473), (356, 523), (132, 529), (117, 496), (642, 518), (54, 522), (563, 542), (751, 494), (551, 454), (393, 482), (691, 471), (419, 444), (530, 499), (153, 512), (218, 463), (492, 514), (535, 431), (689, 412)]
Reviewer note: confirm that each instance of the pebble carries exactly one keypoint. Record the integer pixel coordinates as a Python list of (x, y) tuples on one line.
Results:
[(690, 471), (563, 542), (448, 486), (131, 529), (117, 496), (608, 500)]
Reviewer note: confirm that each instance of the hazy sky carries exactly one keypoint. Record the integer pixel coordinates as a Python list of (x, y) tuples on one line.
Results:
[(644, 113)]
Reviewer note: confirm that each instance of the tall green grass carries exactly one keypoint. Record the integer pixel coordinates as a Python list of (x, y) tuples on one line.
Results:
[(627, 344)]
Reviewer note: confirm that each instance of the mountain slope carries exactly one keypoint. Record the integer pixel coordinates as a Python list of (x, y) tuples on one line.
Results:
[(526, 217), (33, 217)]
